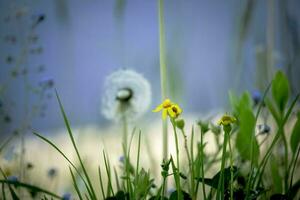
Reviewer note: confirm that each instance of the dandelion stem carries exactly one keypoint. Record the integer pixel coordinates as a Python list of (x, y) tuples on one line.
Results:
[(125, 135)]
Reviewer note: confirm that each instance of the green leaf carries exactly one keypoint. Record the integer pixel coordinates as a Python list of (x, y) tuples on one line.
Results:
[(246, 142), (245, 101), (295, 137), (158, 198), (174, 195), (213, 182), (294, 190), (239, 104), (278, 197), (273, 111), (280, 90), (277, 179), (143, 184), (119, 196)]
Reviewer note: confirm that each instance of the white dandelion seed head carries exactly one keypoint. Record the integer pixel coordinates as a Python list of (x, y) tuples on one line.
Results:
[(126, 93)]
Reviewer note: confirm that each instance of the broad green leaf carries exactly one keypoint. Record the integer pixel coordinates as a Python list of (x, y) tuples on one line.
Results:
[(213, 182), (295, 137), (273, 111), (174, 195), (245, 101), (277, 179), (280, 90), (234, 101), (294, 189), (246, 142), (239, 104)]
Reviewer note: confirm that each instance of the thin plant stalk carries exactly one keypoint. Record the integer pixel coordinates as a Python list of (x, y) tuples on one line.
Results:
[(190, 163), (177, 159), (202, 165), (220, 190), (294, 166), (231, 169), (163, 72), (125, 134)]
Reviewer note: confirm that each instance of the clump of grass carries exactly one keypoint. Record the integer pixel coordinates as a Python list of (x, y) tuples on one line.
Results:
[(191, 180)]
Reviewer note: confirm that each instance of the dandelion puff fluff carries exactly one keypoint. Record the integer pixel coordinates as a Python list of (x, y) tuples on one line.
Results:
[(126, 93)]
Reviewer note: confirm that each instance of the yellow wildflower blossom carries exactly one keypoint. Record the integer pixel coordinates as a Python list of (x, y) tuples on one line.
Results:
[(174, 111), (226, 120), (168, 108)]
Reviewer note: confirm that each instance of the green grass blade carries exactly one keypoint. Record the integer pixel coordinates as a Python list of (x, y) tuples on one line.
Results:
[(117, 179), (262, 101), (30, 187), (137, 163), (75, 184), (288, 113), (3, 192), (69, 161), (12, 192), (138, 154), (6, 142), (101, 182), (107, 168), (293, 169), (74, 145)]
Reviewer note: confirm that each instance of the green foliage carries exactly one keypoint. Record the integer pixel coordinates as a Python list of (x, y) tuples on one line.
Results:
[(29, 187), (185, 196), (295, 137), (121, 195), (143, 184), (239, 104), (246, 142), (280, 90), (277, 179), (225, 184), (213, 182)]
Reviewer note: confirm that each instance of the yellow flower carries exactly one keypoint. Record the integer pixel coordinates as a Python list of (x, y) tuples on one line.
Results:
[(168, 108), (174, 111), (226, 120)]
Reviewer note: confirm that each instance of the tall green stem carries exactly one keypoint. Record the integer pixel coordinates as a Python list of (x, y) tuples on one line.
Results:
[(220, 191), (179, 194), (202, 165), (163, 72), (231, 169)]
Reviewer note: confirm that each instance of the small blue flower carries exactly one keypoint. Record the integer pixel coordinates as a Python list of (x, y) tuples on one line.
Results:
[(13, 178), (256, 96), (66, 196), (121, 159), (46, 83), (52, 172), (263, 129)]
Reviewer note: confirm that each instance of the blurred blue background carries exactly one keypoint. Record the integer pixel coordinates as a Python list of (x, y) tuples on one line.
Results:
[(212, 46)]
